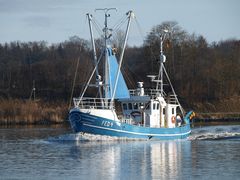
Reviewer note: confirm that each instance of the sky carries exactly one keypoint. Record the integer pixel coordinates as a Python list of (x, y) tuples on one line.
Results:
[(55, 21)]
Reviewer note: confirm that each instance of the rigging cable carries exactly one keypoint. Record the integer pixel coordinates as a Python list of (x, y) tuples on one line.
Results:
[(74, 80), (181, 108), (153, 56), (90, 79), (127, 77), (141, 34), (97, 26), (116, 27), (118, 22)]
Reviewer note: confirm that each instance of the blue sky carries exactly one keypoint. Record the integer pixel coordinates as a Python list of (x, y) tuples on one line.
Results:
[(57, 20)]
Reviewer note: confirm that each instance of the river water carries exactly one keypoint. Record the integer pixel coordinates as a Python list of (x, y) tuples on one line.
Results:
[(211, 152)]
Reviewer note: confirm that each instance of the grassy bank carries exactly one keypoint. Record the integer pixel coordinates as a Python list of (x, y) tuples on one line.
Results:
[(16, 111), (25, 112), (221, 109)]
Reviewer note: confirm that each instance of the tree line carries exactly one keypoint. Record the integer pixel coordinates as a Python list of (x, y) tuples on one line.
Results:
[(199, 71)]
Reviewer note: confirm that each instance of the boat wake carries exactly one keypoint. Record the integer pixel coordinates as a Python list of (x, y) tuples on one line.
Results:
[(90, 137), (216, 133), (203, 133)]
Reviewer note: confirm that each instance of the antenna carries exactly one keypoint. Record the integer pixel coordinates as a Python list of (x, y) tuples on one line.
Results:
[(106, 30), (105, 9)]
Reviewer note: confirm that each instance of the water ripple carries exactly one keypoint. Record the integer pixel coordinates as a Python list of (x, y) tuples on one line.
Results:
[(216, 133)]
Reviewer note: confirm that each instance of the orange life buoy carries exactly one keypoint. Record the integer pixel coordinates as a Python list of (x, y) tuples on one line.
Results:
[(173, 119)]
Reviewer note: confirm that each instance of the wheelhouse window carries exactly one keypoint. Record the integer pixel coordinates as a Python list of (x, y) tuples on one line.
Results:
[(124, 106), (163, 111), (135, 105), (173, 111), (157, 106), (130, 106), (148, 106), (154, 106)]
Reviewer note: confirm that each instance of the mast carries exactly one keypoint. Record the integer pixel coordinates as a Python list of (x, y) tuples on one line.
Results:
[(107, 35), (163, 70), (98, 77), (162, 60), (130, 15)]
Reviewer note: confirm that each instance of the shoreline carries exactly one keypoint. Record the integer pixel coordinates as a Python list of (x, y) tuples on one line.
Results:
[(195, 122), (35, 123), (25, 112)]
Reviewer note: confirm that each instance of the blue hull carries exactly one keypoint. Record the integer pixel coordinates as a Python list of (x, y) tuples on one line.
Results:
[(84, 122)]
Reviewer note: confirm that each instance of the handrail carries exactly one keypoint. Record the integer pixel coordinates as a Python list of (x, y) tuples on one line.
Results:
[(147, 92), (93, 103), (172, 99)]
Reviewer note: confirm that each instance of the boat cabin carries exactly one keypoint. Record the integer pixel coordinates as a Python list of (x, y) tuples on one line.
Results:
[(142, 109)]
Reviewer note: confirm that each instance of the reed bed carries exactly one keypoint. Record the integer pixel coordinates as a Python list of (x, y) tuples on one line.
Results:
[(221, 109), (26, 112), (16, 111)]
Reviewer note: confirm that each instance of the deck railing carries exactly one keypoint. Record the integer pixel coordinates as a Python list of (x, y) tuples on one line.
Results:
[(104, 103), (94, 103), (171, 99), (147, 92)]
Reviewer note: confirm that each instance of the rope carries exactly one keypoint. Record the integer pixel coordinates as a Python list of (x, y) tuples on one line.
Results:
[(152, 55), (181, 108), (127, 77), (90, 78), (121, 22), (97, 26), (74, 80), (140, 29)]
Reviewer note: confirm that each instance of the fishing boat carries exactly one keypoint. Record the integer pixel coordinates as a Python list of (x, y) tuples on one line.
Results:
[(127, 113)]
